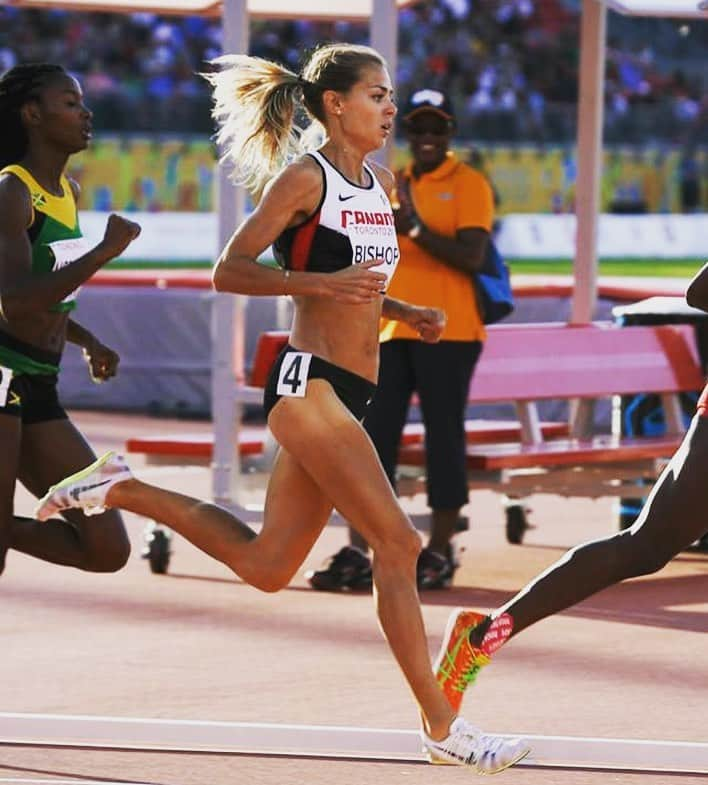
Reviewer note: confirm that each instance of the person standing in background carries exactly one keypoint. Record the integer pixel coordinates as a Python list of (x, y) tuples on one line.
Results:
[(443, 220)]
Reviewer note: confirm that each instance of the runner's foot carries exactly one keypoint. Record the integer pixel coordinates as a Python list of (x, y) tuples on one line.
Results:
[(466, 745), (469, 641), (86, 490)]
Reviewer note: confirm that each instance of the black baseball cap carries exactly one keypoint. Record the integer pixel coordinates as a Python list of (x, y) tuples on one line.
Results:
[(428, 100)]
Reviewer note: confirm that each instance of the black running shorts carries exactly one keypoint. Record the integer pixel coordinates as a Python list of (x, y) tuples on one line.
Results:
[(31, 397), (292, 369)]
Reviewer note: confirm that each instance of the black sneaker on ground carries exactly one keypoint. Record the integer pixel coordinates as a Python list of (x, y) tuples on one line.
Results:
[(434, 570), (349, 568)]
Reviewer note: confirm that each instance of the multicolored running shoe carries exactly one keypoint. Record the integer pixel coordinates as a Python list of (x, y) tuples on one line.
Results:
[(459, 660)]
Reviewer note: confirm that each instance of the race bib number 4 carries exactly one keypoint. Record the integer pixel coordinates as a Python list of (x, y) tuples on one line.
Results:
[(292, 378), (5, 379)]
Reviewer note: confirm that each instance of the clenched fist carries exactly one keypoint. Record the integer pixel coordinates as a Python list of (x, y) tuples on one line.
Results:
[(429, 322), (119, 234)]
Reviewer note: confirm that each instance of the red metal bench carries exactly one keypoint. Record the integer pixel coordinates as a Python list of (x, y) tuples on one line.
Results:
[(526, 364)]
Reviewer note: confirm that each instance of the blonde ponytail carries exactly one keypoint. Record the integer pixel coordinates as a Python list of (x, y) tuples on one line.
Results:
[(255, 102)]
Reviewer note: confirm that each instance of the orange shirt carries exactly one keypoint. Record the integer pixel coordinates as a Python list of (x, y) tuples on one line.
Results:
[(454, 196)]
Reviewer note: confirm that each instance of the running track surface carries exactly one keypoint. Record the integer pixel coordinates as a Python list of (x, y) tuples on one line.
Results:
[(197, 644)]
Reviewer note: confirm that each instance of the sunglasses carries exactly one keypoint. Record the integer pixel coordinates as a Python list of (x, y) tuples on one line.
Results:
[(433, 125)]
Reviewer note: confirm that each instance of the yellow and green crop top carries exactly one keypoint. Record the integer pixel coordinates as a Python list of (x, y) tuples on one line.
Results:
[(54, 232)]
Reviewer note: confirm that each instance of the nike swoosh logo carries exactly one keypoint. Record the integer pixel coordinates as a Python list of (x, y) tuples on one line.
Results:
[(346, 198), (76, 492)]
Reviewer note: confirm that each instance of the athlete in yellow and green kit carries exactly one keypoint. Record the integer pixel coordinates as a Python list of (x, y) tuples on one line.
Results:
[(43, 261)]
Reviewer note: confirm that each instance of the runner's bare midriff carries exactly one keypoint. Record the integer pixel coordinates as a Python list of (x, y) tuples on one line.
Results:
[(46, 331), (344, 335)]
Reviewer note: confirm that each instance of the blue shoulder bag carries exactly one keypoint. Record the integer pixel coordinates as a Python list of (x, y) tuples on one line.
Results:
[(493, 285)]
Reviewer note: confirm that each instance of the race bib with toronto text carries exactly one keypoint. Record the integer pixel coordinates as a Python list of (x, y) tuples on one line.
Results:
[(68, 251)]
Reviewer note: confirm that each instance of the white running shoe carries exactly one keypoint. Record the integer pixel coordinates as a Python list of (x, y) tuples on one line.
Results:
[(468, 746), (85, 490)]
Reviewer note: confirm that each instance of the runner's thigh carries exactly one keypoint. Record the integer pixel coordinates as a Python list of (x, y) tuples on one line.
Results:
[(332, 447), (51, 451), (10, 437), (676, 513)]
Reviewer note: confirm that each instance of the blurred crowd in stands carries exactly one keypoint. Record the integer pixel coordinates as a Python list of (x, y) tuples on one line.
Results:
[(511, 65)]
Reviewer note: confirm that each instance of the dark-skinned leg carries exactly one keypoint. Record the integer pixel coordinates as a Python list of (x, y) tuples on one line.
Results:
[(10, 437), (357, 540), (674, 516), (49, 452), (442, 529), (443, 373)]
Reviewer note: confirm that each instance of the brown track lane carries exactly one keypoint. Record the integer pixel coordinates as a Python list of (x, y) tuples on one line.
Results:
[(631, 662)]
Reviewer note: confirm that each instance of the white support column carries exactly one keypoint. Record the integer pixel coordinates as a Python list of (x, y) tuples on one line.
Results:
[(384, 38), (228, 312), (590, 115), (527, 412)]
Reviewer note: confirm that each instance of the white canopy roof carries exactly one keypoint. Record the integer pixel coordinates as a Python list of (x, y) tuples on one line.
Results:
[(270, 9)]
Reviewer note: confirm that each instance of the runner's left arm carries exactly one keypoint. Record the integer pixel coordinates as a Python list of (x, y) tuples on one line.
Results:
[(101, 359), (429, 322)]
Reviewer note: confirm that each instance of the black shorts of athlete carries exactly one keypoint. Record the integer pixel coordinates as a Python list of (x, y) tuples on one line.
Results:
[(31, 397), (292, 369)]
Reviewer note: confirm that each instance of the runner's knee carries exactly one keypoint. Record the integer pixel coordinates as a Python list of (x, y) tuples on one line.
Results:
[(111, 558), (649, 556), (612, 558), (643, 553), (263, 565), (112, 552), (271, 582), (270, 577), (397, 550)]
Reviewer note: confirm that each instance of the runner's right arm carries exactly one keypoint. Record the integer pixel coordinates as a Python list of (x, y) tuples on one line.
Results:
[(23, 292)]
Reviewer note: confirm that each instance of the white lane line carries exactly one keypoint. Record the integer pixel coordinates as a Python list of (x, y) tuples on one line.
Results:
[(110, 733), (24, 781)]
